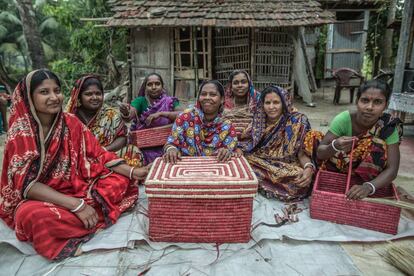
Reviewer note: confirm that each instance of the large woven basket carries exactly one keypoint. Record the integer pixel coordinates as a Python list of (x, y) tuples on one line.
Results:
[(151, 137), (329, 203), (200, 200)]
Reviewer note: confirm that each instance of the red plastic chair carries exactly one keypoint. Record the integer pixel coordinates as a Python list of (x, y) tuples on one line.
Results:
[(343, 77)]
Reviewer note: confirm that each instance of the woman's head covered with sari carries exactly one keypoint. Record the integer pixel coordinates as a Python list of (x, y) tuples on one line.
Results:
[(210, 97), (240, 85), (261, 133), (86, 89), (25, 143), (201, 131), (152, 86)]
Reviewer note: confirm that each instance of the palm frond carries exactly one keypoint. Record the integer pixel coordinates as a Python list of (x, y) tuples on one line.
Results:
[(9, 48), (48, 24), (49, 52), (3, 32), (8, 17)]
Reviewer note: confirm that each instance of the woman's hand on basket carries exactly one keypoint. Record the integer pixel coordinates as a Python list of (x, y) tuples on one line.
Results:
[(305, 178), (223, 154), (172, 155), (344, 143), (358, 192), (88, 216), (152, 117), (238, 153)]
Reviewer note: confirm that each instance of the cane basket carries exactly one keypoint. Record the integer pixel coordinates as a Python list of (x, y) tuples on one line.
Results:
[(200, 200), (151, 137), (329, 203)]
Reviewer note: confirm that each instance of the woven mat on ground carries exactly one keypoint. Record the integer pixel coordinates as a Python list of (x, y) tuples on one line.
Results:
[(269, 257), (133, 227)]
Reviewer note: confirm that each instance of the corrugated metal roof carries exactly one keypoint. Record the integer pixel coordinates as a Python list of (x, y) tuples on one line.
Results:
[(218, 13)]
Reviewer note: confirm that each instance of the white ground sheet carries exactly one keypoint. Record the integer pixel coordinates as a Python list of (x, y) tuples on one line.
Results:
[(269, 252)]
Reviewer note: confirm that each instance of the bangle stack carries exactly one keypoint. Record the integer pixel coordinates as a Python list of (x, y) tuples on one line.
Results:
[(372, 187), (333, 145), (79, 207)]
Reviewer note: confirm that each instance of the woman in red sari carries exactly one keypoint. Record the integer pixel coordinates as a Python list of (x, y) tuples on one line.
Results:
[(58, 186)]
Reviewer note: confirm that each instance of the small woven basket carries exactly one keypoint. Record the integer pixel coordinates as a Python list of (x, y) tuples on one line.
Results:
[(199, 200), (151, 137), (329, 203), (240, 124)]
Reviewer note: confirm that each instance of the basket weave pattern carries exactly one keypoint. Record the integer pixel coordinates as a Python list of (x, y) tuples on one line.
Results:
[(151, 137), (201, 200), (329, 203), (240, 124)]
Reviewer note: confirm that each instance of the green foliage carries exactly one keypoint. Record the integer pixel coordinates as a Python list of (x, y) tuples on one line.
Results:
[(377, 28), (69, 71), (72, 47), (86, 46), (320, 52)]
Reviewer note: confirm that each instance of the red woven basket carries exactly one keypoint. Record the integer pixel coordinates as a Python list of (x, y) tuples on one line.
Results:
[(200, 200), (151, 137), (240, 124), (329, 203)]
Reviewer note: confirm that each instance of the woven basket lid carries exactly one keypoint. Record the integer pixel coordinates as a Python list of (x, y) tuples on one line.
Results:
[(201, 177)]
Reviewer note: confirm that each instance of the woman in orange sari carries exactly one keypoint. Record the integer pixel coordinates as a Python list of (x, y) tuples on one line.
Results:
[(58, 186)]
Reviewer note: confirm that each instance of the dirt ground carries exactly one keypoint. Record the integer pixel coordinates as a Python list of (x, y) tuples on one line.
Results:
[(363, 254)]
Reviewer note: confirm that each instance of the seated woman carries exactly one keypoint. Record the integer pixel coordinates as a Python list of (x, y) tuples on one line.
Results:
[(58, 186), (240, 100), (152, 108), (274, 146), (87, 103), (376, 156), (200, 131)]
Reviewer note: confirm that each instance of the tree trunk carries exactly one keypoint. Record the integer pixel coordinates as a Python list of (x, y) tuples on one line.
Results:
[(31, 33), (387, 41)]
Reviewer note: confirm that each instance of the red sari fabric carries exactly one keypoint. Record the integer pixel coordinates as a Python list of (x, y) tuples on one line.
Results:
[(69, 160)]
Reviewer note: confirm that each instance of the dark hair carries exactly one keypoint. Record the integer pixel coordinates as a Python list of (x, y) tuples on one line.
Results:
[(377, 84), (235, 73), (218, 85), (41, 75), (144, 83), (273, 89), (91, 81)]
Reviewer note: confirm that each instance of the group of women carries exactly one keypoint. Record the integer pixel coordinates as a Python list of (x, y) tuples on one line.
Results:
[(66, 175)]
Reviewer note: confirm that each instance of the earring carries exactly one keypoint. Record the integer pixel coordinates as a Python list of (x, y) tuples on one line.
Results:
[(78, 104)]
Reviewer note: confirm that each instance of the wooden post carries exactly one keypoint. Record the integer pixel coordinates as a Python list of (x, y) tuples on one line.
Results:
[(195, 56), (364, 37), (311, 76), (129, 61), (328, 55), (412, 45), (403, 46), (253, 54), (210, 55), (172, 55), (299, 70)]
